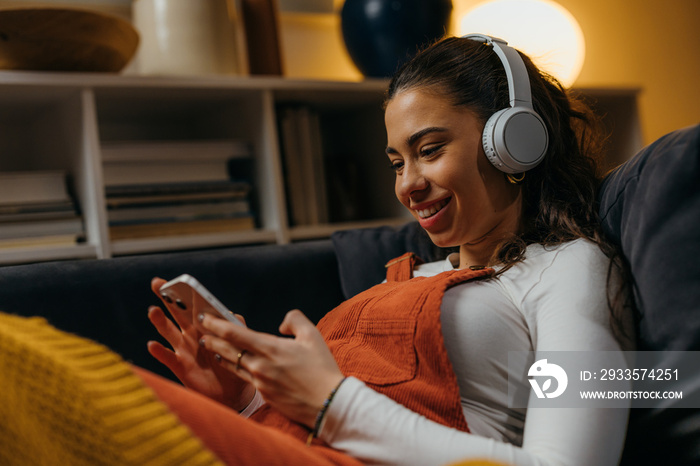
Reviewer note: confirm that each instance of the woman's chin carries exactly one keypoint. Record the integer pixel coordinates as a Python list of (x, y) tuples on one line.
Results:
[(442, 240)]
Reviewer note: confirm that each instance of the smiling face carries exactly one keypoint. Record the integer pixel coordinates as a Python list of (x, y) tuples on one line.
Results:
[(444, 178)]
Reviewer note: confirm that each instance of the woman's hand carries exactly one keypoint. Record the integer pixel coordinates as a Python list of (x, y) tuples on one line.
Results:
[(196, 367), (294, 375)]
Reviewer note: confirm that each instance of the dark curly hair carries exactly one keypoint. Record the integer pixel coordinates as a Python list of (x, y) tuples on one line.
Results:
[(559, 195)]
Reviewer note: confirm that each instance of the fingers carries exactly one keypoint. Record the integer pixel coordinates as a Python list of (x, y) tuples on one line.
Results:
[(229, 340), (183, 319), (228, 357), (166, 328), (156, 283), (222, 349), (237, 347), (163, 355), (297, 324), (234, 338), (231, 359), (171, 333), (236, 335)]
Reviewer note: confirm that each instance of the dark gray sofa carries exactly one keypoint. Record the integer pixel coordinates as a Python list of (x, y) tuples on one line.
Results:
[(107, 300), (650, 205)]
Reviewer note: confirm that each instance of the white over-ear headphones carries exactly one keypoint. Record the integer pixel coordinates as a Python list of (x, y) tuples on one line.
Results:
[(515, 139)]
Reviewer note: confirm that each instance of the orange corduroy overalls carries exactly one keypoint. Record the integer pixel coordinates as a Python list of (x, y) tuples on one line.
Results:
[(389, 337)]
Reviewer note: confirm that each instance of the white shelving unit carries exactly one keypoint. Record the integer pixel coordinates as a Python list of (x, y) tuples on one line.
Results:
[(59, 120)]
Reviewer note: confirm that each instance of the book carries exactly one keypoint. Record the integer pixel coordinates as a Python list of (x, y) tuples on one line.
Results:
[(33, 187), (320, 167), (157, 172), (172, 151), (308, 176), (40, 241), (41, 228), (36, 210), (148, 162), (117, 202), (174, 212), (316, 178), (304, 164), (38, 207), (165, 229), (40, 215), (291, 152), (178, 188)]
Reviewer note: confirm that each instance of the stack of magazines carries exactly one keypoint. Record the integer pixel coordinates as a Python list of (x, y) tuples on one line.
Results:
[(36, 210), (174, 188)]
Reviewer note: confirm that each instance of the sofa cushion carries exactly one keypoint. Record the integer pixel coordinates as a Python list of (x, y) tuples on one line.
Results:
[(651, 206), (107, 300), (362, 253)]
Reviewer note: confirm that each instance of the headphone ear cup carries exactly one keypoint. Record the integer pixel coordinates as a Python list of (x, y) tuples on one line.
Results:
[(515, 139), (487, 141)]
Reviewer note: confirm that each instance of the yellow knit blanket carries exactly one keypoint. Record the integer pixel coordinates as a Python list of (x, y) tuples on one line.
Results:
[(68, 400)]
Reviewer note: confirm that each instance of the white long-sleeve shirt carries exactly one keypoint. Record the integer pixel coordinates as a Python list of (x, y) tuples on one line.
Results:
[(554, 300)]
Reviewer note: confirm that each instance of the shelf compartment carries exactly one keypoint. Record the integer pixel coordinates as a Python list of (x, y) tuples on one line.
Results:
[(199, 114), (359, 186), (44, 129)]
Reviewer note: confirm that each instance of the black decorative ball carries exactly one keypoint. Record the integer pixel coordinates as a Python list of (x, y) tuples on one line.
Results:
[(380, 35)]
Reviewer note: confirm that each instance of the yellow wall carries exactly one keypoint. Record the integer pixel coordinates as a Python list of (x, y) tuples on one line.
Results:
[(653, 45), (650, 44)]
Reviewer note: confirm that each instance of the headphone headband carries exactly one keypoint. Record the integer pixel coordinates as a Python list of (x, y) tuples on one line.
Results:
[(516, 73), (515, 138)]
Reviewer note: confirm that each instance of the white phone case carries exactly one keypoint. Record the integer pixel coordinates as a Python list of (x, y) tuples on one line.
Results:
[(187, 294)]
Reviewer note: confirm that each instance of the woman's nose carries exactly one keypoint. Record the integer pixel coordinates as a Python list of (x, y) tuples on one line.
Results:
[(411, 180)]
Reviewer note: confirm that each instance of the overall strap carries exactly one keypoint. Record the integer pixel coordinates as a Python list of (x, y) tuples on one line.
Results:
[(390, 338), (401, 268)]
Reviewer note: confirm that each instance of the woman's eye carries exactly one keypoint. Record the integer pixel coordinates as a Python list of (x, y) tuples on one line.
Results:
[(396, 166), (427, 151)]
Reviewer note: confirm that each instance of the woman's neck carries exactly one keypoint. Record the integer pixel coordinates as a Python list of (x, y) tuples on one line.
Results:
[(473, 255), (481, 252)]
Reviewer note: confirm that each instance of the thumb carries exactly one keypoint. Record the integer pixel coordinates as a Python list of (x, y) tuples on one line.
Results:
[(295, 323), (156, 283), (241, 318)]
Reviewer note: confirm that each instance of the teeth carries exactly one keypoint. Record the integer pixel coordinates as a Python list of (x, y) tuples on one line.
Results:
[(433, 209)]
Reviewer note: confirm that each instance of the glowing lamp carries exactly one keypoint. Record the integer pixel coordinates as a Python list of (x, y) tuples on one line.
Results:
[(542, 29)]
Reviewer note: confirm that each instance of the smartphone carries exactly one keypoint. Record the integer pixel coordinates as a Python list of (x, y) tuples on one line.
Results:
[(188, 294)]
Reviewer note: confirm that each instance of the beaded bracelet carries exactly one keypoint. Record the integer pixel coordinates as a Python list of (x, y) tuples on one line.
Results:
[(322, 413)]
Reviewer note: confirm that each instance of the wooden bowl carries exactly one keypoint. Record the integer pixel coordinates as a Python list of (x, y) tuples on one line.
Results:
[(61, 39)]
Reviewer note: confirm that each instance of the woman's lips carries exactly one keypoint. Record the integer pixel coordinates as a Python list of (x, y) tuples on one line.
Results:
[(429, 211), (430, 214)]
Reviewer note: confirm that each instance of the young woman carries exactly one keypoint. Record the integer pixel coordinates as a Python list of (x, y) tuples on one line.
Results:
[(415, 370)]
